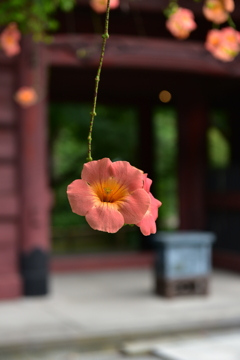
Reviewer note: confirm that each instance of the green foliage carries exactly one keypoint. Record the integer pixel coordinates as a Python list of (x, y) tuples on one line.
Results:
[(33, 16), (171, 8), (218, 149), (218, 135)]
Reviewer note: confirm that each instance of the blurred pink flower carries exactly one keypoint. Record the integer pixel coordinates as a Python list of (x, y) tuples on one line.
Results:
[(147, 224), (109, 194), (9, 40), (26, 96), (181, 23), (218, 10), (223, 44), (100, 6)]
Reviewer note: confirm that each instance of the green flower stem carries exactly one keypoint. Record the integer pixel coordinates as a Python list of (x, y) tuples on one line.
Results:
[(231, 22), (93, 113)]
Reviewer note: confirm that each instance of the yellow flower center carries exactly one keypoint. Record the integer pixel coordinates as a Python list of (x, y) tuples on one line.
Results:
[(214, 40), (231, 38), (215, 5), (109, 191)]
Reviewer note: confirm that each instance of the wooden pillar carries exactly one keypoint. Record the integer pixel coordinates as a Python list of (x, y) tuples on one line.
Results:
[(146, 153), (35, 239), (146, 148), (192, 126), (10, 277), (235, 132)]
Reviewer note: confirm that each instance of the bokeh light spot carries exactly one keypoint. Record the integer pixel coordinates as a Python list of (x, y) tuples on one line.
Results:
[(165, 96)]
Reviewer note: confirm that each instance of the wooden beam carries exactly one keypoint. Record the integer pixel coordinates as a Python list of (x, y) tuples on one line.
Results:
[(138, 53)]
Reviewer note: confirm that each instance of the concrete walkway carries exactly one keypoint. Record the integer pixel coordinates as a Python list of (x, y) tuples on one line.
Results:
[(209, 346), (105, 309)]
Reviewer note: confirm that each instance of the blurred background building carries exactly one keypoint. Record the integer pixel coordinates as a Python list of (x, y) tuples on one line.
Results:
[(166, 106)]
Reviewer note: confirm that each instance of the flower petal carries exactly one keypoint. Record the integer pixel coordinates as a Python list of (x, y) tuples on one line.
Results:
[(155, 204), (80, 197), (97, 171), (181, 23), (134, 206), (229, 5), (9, 40), (127, 175), (100, 6), (147, 183), (147, 224), (105, 218)]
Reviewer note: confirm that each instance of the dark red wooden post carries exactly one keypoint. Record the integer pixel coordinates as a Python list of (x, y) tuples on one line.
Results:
[(192, 125), (146, 153), (35, 242), (234, 132), (10, 277), (146, 147)]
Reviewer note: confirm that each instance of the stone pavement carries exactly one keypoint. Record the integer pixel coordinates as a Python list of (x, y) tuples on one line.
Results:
[(102, 310), (74, 355), (223, 345), (208, 346)]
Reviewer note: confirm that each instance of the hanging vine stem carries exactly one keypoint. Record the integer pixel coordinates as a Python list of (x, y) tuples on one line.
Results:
[(93, 113)]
